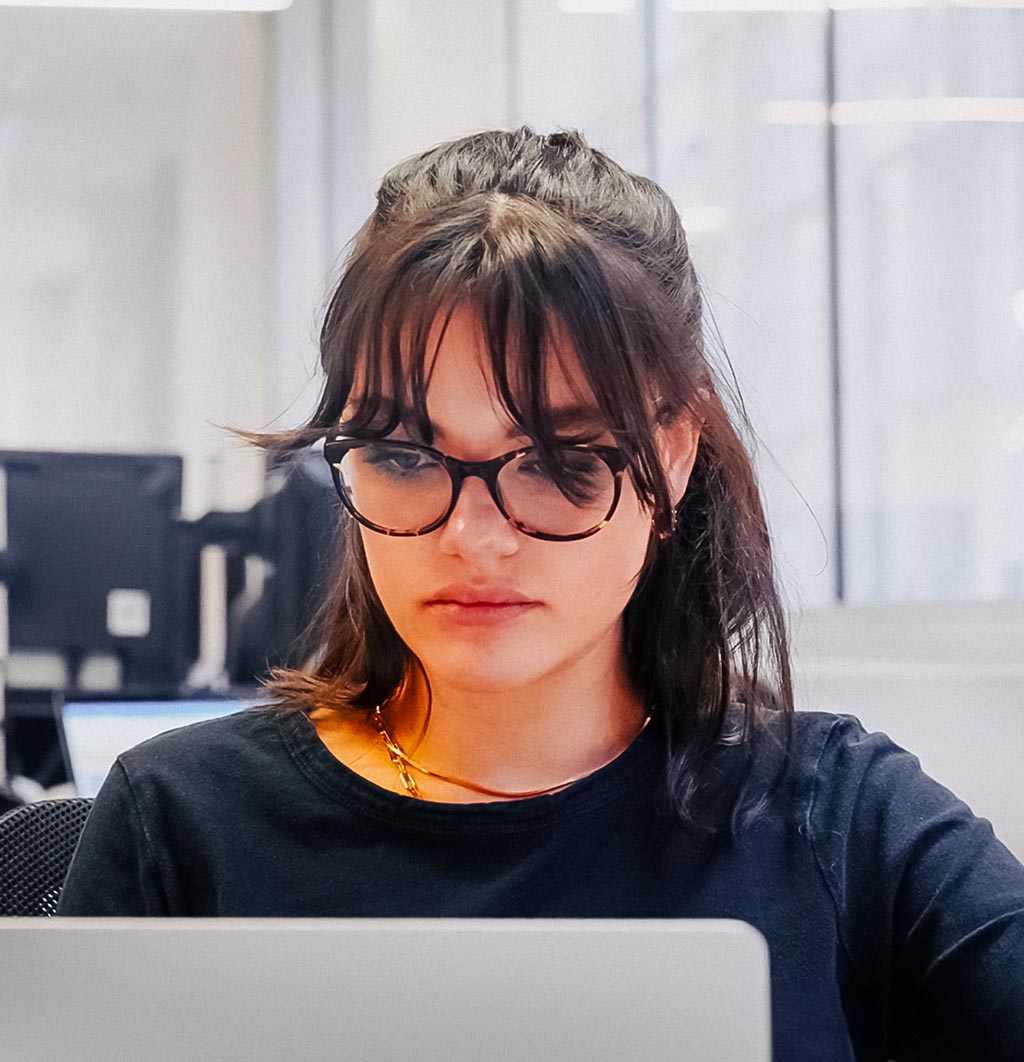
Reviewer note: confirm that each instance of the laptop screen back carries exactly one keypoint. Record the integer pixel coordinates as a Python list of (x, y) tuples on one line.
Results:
[(408, 990)]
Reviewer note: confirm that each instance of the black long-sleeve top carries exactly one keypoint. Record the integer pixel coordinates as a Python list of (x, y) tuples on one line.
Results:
[(894, 918)]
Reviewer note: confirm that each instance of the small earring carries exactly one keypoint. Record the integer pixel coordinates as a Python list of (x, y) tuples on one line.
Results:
[(670, 531)]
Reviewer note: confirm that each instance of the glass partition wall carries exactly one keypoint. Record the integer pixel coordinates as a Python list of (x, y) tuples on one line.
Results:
[(929, 120), (851, 182)]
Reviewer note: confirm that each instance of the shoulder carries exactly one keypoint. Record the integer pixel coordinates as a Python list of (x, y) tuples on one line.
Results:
[(817, 748), (224, 745), (841, 764), (797, 750), (816, 732), (833, 780), (874, 816), (913, 874), (224, 729), (851, 779)]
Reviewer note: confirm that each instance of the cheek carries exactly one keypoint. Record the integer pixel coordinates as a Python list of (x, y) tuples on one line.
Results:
[(392, 564), (629, 532), (602, 571)]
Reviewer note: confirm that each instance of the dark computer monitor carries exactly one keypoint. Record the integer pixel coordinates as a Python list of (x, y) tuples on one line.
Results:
[(99, 562), (293, 530)]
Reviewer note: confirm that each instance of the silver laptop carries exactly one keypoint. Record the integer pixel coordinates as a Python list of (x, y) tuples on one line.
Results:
[(366, 990)]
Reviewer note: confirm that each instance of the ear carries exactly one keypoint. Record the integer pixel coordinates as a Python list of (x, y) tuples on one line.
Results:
[(677, 447)]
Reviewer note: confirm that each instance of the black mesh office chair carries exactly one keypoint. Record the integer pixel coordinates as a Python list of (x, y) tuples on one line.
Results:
[(37, 842)]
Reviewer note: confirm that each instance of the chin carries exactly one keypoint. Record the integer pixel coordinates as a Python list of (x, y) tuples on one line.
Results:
[(487, 669)]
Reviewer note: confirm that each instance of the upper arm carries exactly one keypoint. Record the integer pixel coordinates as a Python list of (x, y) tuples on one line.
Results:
[(113, 871), (930, 903)]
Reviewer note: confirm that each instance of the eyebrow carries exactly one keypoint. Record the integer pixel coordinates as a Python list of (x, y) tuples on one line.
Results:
[(578, 417), (563, 419)]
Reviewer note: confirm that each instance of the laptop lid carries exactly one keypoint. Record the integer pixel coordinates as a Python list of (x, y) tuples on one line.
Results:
[(95, 732), (367, 990)]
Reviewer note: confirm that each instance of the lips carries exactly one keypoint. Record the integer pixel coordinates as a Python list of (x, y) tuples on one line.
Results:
[(479, 608), (480, 597)]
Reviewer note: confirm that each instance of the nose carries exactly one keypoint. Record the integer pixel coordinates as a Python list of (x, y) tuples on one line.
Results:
[(477, 525)]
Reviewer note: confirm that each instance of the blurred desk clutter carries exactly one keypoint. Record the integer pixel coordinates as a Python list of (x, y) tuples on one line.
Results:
[(106, 618)]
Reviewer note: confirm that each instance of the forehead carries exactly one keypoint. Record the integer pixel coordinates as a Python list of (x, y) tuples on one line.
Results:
[(461, 381), (460, 368)]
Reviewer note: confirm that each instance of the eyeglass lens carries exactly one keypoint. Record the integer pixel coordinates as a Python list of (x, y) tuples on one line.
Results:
[(404, 489)]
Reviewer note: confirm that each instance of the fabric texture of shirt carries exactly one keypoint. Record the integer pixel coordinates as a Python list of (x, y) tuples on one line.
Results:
[(893, 916)]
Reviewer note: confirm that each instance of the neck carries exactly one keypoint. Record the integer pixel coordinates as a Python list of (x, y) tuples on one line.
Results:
[(563, 726)]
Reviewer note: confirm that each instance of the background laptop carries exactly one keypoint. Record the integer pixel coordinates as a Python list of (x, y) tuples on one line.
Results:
[(366, 990), (94, 733)]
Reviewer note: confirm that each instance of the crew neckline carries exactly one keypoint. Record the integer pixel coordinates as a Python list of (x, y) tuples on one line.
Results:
[(613, 781)]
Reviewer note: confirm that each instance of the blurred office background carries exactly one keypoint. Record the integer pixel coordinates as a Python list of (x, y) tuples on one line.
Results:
[(177, 190)]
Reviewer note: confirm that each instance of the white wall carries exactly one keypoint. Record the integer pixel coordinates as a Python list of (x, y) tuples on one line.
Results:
[(945, 681), (438, 71), (135, 259)]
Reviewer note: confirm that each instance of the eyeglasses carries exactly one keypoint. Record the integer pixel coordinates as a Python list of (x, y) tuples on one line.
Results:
[(400, 488)]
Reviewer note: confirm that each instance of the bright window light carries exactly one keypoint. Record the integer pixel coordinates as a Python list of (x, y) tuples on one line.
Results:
[(739, 6), (949, 109), (596, 7), (901, 112), (729, 6)]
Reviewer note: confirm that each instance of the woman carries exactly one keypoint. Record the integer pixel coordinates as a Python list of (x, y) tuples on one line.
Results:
[(552, 675)]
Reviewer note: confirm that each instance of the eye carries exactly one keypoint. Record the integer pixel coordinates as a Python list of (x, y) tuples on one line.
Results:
[(578, 475), (530, 465), (398, 462)]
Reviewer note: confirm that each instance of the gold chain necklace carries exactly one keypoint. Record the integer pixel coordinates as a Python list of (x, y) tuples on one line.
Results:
[(403, 761)]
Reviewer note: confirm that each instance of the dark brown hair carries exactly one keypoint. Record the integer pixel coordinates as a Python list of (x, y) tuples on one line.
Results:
[(539, 233)]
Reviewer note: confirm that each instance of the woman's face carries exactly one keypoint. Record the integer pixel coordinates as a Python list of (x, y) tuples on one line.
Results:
[(481, 605)]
